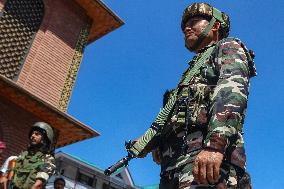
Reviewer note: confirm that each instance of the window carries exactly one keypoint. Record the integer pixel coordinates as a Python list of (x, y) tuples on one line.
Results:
[(119, 176), (107, 186), (84, 179)]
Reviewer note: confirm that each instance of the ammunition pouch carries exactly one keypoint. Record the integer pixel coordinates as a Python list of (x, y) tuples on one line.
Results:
[(180, 111)]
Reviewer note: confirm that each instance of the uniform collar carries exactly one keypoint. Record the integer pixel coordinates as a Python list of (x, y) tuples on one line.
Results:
[(199, 53), (206, 47)]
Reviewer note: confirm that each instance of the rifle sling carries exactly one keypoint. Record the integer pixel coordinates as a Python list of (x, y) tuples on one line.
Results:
[(165, 112)]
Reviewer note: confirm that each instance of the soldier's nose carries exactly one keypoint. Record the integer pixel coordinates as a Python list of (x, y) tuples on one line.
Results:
[(187, 30)]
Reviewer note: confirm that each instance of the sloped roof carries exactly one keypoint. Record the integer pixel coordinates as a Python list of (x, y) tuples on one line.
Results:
[(70, 129), (103, 19)]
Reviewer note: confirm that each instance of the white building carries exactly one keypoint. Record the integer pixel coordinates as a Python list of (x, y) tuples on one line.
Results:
[(80, 174)]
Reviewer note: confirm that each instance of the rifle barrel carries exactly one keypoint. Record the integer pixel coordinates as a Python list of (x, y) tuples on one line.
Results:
[(121, 163)]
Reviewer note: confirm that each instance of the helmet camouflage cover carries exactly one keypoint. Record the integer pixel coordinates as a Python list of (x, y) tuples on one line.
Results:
[(207, 11)]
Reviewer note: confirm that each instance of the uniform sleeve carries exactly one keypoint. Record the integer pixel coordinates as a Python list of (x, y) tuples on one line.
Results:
[(48, 169), (229, 99)]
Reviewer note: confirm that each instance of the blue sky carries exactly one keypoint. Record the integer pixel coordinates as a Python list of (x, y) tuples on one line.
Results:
[(123, 76)]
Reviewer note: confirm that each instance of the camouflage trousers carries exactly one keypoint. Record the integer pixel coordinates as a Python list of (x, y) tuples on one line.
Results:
[(183, 179)]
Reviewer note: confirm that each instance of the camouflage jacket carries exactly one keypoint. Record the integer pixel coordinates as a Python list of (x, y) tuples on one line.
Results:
[(216, 104), (32, 166)]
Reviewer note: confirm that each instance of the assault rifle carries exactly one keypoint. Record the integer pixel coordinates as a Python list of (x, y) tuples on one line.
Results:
[(121, 163), (137, 148)]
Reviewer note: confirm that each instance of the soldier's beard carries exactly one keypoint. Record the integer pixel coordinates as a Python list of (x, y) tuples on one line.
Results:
[(190, 42), (35, 147), (43, 146)]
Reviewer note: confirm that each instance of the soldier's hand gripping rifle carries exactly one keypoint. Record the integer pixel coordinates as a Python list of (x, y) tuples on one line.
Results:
[(138, 148)]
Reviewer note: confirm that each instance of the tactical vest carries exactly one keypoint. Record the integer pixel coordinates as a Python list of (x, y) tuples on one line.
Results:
[(27, 166), (184, 109)]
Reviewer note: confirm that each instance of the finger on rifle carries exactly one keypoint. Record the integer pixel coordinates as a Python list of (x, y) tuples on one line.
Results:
[(196, 170), (216, 168), (210, 172), (203, 172)]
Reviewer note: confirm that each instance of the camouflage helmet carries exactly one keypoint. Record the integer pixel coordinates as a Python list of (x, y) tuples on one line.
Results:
[(209, 12), (46, 128)]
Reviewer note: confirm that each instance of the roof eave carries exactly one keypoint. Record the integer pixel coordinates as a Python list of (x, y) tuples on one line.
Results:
[(70, 129), (103, 19)]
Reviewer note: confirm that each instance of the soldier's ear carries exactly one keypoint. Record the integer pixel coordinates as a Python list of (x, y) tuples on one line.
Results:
[(216, 26)]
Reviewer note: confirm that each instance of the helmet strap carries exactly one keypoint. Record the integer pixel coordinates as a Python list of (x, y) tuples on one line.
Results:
[(217, 15), (203, 34)]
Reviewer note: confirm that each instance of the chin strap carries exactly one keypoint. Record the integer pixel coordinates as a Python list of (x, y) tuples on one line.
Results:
[(217, 16), (203, 34)]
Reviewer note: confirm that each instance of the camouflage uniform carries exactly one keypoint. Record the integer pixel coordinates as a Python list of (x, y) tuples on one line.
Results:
[(215, 113), (31, 166)]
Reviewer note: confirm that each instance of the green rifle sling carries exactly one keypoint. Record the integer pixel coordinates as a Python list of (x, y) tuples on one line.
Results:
[(165, 112)]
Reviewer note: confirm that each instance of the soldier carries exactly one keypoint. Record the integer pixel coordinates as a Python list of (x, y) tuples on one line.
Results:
[(204, 147), (37, 164)]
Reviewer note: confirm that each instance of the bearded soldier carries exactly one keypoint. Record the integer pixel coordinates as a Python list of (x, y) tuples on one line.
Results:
[(35, 166), (201, 143)]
